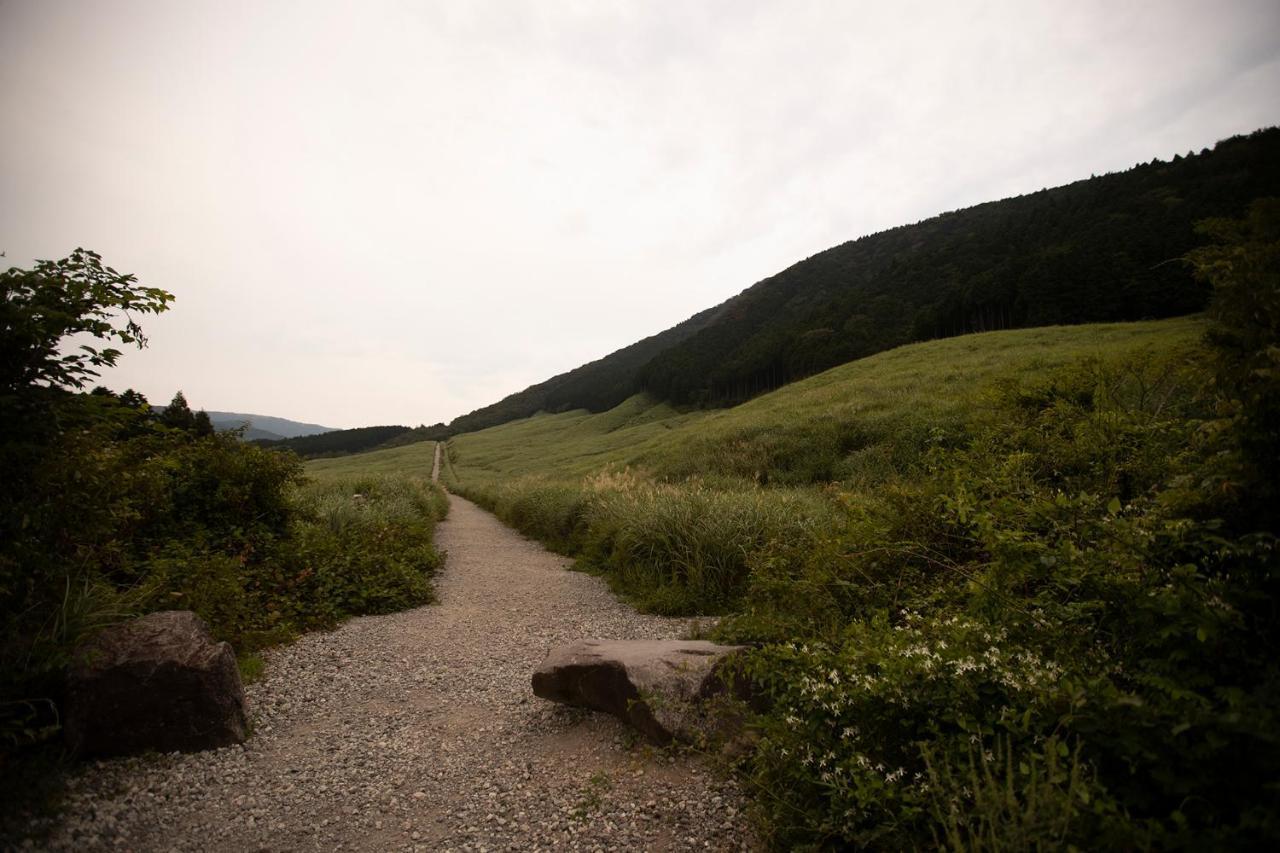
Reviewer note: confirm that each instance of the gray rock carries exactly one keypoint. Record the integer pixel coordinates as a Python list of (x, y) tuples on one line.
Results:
[(659, 687), (155, 683)]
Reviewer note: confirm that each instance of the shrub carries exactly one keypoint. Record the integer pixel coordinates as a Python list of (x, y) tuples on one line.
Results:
[(1061, 579), (123, 515), (358, 546)]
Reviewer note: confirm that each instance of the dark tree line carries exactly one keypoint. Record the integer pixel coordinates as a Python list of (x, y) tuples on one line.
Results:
[(337, 442), (598, 386), (1101, 249)]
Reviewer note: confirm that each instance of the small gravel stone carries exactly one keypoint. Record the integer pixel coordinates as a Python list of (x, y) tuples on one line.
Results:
[(418, 730)]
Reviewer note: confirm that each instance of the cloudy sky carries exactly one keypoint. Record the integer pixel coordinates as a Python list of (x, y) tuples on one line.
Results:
[(396, 212)]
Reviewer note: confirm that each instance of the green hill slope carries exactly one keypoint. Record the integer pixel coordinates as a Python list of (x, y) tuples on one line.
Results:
[(1097, 250), (854, 421), (596, 386), (1000, 588)]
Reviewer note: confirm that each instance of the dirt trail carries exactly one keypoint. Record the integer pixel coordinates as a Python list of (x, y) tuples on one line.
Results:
[(435, 463), (418, 730)]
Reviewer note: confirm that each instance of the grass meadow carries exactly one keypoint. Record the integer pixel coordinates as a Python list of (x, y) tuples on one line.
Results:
[(849, 424), (992, 582), (856, 423)]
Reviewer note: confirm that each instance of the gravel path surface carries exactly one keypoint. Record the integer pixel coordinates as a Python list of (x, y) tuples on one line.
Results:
[(418, 730)]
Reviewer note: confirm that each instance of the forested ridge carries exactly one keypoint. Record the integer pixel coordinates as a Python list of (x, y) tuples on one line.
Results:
[(1106, 248), (597, 385), (337, 442), (340, 442)]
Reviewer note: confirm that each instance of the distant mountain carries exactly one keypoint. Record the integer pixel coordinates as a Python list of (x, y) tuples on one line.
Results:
[(265, 426), (1102, 249), (253, 433)]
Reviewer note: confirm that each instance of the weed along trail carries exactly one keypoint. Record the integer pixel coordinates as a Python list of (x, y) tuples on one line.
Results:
[(418, 730)]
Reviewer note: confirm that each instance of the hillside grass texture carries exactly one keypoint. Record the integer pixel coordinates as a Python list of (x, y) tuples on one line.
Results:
[(1006, 591), (850, 423)]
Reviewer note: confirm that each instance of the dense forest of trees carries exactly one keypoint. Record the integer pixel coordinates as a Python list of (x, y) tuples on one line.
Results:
[(1101, 249), (338, 442), (341, 442), (599, 385)]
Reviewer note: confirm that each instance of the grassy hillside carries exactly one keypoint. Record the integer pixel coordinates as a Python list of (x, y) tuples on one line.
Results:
[(410, 460), (1096, 250), (851, 422), (1011, 590)]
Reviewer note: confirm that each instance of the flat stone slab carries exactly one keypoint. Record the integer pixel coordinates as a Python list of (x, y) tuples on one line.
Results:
[(659, 687), (155, 683)]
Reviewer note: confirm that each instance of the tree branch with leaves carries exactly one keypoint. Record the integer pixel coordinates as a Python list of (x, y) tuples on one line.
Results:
[(77, 295)]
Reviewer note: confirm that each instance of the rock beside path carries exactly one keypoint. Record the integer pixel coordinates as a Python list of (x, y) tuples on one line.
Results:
[(417, 731), (659, 687), (155, 683)]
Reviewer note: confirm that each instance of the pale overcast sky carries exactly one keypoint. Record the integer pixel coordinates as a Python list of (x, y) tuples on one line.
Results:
[(396, 212)]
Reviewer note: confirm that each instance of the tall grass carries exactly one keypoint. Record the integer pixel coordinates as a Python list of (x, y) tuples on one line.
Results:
[(673, 549), (674, 507), (371, 500), (862, 424), (1004, 587)]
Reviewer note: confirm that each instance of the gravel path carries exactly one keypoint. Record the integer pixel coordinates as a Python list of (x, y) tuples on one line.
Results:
[(418, 730)]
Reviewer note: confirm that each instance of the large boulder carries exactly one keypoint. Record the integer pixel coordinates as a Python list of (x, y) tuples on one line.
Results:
[(660, 687), (155, 683)]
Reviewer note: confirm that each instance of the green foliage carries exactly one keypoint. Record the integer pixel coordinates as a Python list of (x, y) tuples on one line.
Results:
[(76, 295), (1009, 800), (108, 511), (1244, 267), (673, 550), (360, 546), (1017, 590), (1041, 582), (166, 519)]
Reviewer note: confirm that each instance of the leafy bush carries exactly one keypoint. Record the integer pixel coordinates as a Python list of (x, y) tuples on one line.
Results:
[(1060, 582), (841, 757), (107, 511), (358, 546), (1048, 627)]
